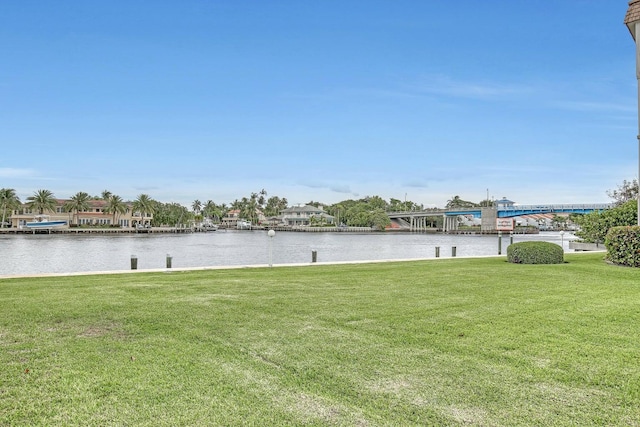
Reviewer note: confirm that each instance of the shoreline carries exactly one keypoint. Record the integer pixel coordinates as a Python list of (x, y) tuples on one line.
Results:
[(251, 266)]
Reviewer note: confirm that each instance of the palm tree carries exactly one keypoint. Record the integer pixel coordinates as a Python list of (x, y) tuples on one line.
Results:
[(115, 206), (262, 198), (211, 210), (196, 206), (145, 205), (222, 211), (249, 208), (42, 200), (79, 202), (8, 202)]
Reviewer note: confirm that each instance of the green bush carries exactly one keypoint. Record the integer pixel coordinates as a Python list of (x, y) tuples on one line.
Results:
[(535, 253), (623, 245), (595, 225)]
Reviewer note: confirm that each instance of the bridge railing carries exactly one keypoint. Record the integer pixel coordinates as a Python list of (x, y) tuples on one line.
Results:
[(517, 208), (560, 207)]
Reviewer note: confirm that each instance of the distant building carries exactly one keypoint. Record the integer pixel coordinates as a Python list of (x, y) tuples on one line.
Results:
[(230, 220), (93, 216), (305, 215), (504, 203)]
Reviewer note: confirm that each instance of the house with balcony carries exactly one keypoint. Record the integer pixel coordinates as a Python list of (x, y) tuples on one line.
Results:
[(94, 215), (305, 215)]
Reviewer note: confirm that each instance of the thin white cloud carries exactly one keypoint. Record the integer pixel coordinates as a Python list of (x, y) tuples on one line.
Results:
[(597, 106), (16, 173), (147, 188), (447, 86), (429, 85)]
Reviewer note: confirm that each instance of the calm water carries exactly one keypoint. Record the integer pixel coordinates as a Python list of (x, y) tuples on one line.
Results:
[(42, 253)]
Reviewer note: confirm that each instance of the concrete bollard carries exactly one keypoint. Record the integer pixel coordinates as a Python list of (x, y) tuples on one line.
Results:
[(511, 238), (169, 261), (453, 251), (134, 262), (437, 251), (499, 242), (314, 256)]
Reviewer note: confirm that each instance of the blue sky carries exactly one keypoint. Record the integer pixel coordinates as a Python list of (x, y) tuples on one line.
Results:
[(318, 100)]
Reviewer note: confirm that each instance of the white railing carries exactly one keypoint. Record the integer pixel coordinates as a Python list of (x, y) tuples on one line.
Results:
[(565, 207)]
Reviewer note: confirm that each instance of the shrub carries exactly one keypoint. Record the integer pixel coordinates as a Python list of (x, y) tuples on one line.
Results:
[(535, 253), (595, 225), (623, 245)]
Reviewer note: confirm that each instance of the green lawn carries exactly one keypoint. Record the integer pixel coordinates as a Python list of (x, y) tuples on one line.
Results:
[(441, 342)]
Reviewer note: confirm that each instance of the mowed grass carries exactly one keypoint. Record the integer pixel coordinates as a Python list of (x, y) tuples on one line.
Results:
[(442, 342)]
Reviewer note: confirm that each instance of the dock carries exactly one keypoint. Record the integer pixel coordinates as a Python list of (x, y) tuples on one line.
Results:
[(100, 230)]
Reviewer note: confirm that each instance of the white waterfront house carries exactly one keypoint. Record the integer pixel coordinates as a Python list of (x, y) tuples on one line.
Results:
[(305, 215)]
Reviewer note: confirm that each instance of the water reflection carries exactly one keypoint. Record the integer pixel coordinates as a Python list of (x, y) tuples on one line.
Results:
[(43, 253)]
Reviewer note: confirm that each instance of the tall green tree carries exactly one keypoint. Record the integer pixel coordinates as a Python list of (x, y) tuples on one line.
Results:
[(262, 198), (196, 206), (379, 219), (457, 203), (249, 208), (115, 206), (144, 205), (41, 201), (209, 209), (274, 205), (595, 225), (397, 205), (8, 202), (78, 202), (375, 202), (486, 203), (171, 214), (213, 211)]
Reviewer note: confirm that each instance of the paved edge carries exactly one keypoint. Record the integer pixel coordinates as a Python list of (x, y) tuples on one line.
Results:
[(238, 267)]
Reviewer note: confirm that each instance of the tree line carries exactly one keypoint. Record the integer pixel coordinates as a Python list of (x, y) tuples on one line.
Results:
[(365, 212), (369, 211), (595, 225)]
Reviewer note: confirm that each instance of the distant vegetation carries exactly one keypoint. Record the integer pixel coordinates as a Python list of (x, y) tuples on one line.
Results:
[(595, 225), (369, 211)]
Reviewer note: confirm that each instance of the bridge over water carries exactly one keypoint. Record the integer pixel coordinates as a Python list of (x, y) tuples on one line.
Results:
[(420, 220)]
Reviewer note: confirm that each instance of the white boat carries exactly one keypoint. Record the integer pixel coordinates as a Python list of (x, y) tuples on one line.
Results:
[(43, 221), (207, 225), (243, 225)]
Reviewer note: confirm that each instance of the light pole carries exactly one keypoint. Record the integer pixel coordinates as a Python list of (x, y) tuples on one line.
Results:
[(271, 233), (632, 20)]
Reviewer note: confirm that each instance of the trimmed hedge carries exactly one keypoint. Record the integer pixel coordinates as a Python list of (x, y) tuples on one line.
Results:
[(535, 253), (623, 245)]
